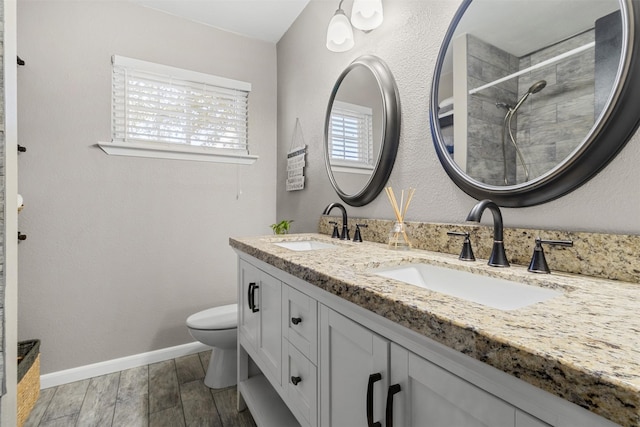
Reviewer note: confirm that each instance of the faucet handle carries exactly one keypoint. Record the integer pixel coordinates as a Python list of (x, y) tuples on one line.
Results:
[(335, 234), (357, 236), (467, 251), (538, 262)]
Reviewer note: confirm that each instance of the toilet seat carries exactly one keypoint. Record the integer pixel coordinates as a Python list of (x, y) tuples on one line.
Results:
[(215, 319)]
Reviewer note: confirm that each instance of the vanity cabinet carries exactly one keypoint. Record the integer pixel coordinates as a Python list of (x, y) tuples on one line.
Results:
[(322, 361), (259, 317), (365, 379), (277, 331)]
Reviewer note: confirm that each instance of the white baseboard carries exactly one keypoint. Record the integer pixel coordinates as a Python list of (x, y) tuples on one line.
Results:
[(115, 365)]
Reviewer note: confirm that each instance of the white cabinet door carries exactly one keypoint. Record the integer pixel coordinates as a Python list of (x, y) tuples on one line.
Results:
[(260, 307), (353, 372), (431, 396), (270, 337), (249, 316)]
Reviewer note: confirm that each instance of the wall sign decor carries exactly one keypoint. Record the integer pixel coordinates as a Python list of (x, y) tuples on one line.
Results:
[(296, 160)]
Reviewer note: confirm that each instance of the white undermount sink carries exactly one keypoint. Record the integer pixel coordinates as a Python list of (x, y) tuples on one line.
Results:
[(490, 291), (304, 245)]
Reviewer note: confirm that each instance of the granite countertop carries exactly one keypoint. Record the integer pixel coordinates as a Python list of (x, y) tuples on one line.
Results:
[(583, 345)]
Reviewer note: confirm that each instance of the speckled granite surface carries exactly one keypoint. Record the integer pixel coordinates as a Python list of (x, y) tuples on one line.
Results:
[(610, 256), (583, 345)]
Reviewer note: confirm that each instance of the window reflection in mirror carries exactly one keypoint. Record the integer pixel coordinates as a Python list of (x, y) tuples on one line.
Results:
[(355, 130)]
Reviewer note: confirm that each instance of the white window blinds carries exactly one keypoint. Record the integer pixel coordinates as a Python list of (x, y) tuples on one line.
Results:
[(351, 135), (157, 103)]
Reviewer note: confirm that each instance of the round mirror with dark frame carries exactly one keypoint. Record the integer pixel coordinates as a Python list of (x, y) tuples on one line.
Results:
[(362, 130), (530, 99)]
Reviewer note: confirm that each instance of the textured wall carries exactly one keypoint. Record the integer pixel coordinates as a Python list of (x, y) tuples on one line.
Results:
[(408, 42), (122, 250)]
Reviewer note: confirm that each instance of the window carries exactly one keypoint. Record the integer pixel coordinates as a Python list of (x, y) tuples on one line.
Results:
[(351, 136), (162, 111)]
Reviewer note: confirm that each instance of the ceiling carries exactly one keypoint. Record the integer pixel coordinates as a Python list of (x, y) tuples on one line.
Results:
[(266, 20)]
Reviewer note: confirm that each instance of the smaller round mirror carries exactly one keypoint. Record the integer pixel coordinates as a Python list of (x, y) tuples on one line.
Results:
[(362, 130)]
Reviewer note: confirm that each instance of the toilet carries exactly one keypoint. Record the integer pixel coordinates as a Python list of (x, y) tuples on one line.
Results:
[(218, 327)]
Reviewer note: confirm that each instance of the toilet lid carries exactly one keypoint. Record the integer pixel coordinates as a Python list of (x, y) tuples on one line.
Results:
[(222, 317)]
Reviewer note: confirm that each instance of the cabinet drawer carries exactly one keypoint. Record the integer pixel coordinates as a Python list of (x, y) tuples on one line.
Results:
[(300, 378), (300, 322)]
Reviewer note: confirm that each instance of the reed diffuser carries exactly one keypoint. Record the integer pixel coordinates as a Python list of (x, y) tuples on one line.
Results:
[(399, 235)]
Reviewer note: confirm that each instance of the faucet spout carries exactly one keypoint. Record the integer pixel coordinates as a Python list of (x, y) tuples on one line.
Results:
[(498, 256), (345, 228)]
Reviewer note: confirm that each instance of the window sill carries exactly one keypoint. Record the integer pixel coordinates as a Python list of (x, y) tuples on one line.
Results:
[(177, 152), (351, 169)]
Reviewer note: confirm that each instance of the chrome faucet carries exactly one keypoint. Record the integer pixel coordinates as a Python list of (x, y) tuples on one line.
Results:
[(345, 228), (498, 257)]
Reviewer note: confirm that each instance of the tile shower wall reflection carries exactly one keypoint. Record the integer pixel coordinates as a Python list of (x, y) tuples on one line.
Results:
[(487, 63), (552, 122)]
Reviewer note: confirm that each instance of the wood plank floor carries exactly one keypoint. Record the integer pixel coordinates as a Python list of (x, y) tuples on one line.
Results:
[(165, 394)]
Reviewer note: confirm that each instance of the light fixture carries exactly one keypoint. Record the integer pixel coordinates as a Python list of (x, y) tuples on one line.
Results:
[(339, 33), (366, 15)]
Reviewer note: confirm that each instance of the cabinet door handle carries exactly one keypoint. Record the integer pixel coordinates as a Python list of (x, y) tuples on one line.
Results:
[(295, 380), (254, 309), (372, 379), (249, 295), (389, 413), (296, 320)]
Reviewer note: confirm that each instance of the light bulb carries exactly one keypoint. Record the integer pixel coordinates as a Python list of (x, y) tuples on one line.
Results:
[(339, 33), (366, 15)]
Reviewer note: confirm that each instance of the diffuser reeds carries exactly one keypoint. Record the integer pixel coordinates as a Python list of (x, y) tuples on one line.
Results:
[(398, 237)]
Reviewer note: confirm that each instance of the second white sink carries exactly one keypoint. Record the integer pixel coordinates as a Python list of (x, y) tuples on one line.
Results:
[(304, 245), (490, 291)]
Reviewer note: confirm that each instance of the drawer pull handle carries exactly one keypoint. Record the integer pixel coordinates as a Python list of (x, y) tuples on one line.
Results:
[(392, 390), (296, 320), (295, 380), (372, 379)]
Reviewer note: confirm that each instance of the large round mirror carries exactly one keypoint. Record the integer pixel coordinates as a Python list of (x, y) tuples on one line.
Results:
[(532, 98), (362, 130)]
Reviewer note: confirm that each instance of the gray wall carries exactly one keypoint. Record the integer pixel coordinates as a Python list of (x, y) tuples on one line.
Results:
[(408, 41), (121, 250)]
